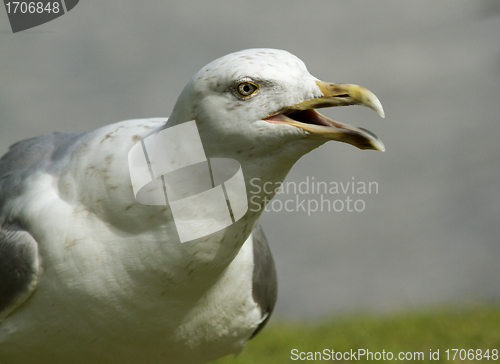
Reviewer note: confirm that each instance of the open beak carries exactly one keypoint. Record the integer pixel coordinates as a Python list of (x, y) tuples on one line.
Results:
[(304, 115)]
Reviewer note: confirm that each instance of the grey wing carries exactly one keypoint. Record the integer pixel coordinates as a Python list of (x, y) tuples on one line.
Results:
[(264, 282), (19, 267), (19, 259)]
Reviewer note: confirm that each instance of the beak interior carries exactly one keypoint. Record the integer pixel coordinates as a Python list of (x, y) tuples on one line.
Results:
[(310, 116), (320, 127)]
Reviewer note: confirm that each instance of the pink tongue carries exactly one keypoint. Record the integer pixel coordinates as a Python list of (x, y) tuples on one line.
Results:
[(278, 117)]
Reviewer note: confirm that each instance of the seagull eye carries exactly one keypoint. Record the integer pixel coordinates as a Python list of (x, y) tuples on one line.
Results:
[(246, 89)]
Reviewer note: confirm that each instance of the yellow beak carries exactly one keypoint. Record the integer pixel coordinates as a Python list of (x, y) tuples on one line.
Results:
[(304, 116)]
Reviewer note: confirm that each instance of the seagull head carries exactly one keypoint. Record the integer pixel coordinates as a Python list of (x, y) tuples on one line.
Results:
[(265, 100)]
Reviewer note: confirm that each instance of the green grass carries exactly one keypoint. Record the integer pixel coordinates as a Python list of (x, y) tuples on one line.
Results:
[(471, 328)]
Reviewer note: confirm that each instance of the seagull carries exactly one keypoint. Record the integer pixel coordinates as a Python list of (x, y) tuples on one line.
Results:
[(89, 273)]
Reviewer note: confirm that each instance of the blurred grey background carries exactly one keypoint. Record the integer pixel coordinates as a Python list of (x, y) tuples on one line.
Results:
[(431, 234)]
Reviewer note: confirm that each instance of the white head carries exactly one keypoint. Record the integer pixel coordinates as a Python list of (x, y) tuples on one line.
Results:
[(263, 100)]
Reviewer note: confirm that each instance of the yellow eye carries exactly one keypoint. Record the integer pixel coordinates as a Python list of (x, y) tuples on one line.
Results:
[(246, 89)]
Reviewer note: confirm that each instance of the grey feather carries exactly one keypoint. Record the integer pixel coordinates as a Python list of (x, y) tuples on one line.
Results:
[(19, 266), (264, 283), (26, 157)]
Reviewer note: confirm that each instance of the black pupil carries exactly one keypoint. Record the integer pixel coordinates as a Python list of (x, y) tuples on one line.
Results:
[(246, 89)]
